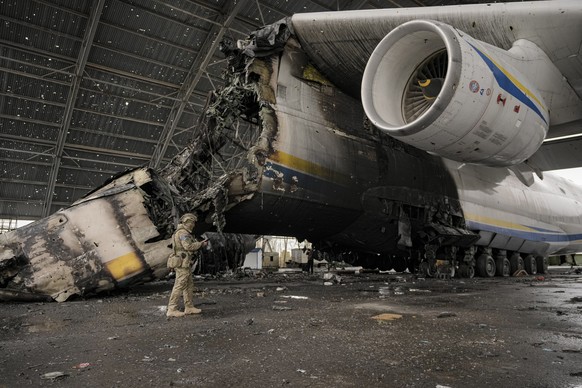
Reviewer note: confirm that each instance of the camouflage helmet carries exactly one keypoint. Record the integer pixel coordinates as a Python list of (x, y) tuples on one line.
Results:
[(188, 217)]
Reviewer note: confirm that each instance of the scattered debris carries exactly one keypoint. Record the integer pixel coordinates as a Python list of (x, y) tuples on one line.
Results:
[(487, 355), (281, 289), (331, 277), (350, 270), (287, 270), (520, 273), (398, 291), (327, 283), (281, 308), (53, 375), (315, 322), (81, 365), (387, 317), (249, 321), (260, 294), (384, 290), (294, 297)]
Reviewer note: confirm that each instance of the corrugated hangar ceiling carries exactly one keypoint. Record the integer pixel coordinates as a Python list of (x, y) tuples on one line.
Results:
[(89, 89)]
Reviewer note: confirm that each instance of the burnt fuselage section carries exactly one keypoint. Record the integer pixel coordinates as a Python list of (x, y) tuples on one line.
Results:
[(104, 240), (320, 172)]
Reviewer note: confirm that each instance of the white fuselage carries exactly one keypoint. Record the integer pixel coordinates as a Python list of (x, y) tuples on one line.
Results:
[(322, 157)]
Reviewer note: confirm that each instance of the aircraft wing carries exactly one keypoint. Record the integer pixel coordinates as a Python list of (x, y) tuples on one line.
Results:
[(340, 44)]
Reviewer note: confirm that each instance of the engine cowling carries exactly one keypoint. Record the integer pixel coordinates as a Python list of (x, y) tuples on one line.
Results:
[(438, 89)]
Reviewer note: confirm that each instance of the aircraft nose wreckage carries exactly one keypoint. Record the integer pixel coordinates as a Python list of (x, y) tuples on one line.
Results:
[(117, 236), (112, 237)]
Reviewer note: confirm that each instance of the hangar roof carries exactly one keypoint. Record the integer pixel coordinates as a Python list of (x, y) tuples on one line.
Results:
[(92, 88)]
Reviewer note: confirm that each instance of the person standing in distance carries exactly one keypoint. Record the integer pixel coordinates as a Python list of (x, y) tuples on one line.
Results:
[(185, 244)]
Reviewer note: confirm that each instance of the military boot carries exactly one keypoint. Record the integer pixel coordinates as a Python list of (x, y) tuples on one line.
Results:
[(192, 310), (174, 313)]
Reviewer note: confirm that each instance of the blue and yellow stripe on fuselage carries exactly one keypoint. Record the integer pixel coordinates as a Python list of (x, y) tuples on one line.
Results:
[(310, 175), (526, 232)]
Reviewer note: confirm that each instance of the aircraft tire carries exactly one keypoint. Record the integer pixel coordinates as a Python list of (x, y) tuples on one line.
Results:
[(486, 266), (542, 264), (399, 264), (516, 263), (530, 265), (466, 271), (384, 263), (424, 269), (502, 267)]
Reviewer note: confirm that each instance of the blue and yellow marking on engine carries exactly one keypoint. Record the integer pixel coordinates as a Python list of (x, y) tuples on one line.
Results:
[(509, 83)]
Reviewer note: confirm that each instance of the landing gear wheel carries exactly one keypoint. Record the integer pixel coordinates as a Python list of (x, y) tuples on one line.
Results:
[(530, 265), (412, 266), (466, 271), (515, 263), (399, 264), (450, 272), (502, 267), (542, 264), (424, 269), (385, 263), (486, 266)]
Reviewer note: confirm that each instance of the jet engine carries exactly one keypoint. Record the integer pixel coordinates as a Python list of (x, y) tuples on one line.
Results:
[(438, 89)]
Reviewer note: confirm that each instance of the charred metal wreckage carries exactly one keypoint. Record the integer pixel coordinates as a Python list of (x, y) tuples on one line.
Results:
[(119, 234), (285, 150)]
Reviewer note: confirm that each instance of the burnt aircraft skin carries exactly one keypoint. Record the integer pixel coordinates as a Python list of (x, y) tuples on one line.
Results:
[(331, 179), (105, 240), (307, 163), (116, 237)]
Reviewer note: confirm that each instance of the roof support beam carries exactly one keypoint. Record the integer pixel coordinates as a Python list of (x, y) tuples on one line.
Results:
[(90, 31), (196, 72)]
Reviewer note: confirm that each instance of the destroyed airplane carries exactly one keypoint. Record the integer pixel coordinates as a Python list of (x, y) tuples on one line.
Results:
[(324, 136)]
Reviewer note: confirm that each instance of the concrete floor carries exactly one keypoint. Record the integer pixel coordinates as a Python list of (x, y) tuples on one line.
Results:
[(367, 330)]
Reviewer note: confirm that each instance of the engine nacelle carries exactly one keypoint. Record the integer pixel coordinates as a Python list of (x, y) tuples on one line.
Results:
[(436, 88)]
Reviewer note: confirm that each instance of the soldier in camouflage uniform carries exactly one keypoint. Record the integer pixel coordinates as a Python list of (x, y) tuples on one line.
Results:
[(185, 244)]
